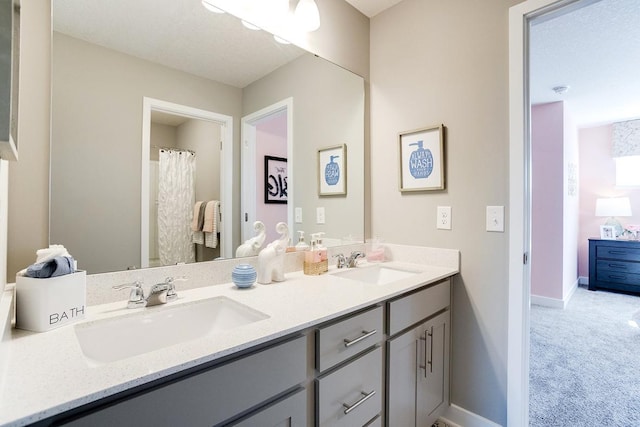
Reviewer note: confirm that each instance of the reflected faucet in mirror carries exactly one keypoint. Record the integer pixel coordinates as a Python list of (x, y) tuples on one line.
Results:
[(251, 247)]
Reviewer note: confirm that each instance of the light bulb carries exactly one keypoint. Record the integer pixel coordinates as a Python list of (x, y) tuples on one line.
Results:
[(307, 15)]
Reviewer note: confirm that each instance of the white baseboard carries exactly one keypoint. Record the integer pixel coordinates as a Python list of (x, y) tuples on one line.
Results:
[(555, 302), (455, 416), (582, 280)]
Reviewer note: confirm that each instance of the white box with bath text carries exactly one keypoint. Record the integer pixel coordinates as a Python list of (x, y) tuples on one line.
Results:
[(45, 304)]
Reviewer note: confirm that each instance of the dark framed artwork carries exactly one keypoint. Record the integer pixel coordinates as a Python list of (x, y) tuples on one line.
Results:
[(275, 180)]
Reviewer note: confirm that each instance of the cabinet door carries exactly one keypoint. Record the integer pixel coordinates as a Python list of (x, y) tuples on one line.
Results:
[(433, 370), (418, 374), (402, 375), (290, 412)]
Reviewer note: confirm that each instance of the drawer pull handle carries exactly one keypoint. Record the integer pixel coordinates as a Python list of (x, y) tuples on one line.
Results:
[(618, 266), (617, 252), (349, 343), (613, 276), (364, 398)]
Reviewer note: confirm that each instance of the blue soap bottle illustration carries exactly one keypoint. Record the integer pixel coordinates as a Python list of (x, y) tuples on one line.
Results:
[(420, 161), (332, 171)]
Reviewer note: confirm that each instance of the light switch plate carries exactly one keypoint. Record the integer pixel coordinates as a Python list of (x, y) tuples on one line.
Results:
[(320, 215), (495, 218), (444, 218), (298, 215)]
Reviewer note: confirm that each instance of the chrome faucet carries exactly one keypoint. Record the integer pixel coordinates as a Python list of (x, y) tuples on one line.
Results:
[(160, 293), (352, 261)]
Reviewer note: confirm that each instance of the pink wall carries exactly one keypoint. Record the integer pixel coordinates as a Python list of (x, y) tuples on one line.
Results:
[(547, 135), (597, 179), (271, 140)]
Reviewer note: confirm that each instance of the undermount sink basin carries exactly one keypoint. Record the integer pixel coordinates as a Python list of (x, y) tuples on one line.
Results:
[(377, 275), (153, 328)]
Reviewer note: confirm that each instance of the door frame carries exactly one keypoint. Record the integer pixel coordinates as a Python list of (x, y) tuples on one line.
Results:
[(249, 191), (226, 164), (520, 18)]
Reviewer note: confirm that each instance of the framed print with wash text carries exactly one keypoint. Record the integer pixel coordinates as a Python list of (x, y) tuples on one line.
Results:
[(421, 155), (332, 171)]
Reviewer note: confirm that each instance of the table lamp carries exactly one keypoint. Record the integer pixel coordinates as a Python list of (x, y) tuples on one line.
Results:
[(614, 207)]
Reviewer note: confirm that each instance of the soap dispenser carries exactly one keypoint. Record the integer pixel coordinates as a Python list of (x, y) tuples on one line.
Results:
[(301, 245), (320, 246)]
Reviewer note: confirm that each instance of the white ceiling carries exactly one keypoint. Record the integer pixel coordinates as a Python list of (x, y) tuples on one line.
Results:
[(371, 8), (180, 34), (596, 51)]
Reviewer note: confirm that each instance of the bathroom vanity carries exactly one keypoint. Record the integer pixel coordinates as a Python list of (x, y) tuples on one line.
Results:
[(332, 350)]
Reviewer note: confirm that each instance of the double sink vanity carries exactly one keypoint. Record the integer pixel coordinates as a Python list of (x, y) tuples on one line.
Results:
[(362, 346)]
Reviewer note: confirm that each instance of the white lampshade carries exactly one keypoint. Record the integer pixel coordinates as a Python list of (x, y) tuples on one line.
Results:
[(614, 206), (307, 15)]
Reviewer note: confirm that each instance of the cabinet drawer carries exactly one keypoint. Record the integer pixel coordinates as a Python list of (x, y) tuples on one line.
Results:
[(355, 389), (290, 411), (346, 338), (618, 277), (411, 309), (614, 252), (618, 266), (210, 397)]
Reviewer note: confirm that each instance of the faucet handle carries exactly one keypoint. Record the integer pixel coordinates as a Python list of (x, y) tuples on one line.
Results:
[(136, 297), (171, 292), (342, 261)]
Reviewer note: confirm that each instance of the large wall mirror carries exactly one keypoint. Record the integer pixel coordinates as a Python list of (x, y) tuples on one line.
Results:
[(135, 83)]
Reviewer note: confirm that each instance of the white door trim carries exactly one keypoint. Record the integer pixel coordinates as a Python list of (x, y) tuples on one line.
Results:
[(226, 163), (520, 17), (248, 157)]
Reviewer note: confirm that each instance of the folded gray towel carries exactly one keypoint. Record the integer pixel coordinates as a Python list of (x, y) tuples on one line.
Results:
[(57, 266)]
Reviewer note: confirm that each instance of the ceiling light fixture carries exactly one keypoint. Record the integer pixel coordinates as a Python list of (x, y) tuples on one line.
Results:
[(561, 90), (281, 40), (250, 26), (307, 15), (210, 7)]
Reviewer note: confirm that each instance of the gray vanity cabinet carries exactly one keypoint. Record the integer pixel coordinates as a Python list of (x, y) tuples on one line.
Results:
[(220, 395), (418, 358)]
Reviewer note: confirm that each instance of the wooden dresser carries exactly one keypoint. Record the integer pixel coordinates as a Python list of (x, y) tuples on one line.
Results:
[(614, 264)]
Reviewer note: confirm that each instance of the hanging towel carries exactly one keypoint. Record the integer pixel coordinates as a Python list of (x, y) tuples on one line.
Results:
[(211, 217), (198, 238), (197, 221)]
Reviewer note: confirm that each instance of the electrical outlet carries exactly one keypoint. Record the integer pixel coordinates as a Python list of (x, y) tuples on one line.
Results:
[(495, 218), (444, 218), (298, 215), (320, 215)]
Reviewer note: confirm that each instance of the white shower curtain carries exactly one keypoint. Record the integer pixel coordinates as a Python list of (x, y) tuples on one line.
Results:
[(176, 197)]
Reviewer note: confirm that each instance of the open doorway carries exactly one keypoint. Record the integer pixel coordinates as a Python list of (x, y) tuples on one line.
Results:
[(522, 95), (267, 169), (190, 123)]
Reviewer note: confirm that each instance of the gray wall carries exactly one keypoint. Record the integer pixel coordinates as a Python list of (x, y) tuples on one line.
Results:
[(29, 177), (338, 95), (96, 149), (446, 62)]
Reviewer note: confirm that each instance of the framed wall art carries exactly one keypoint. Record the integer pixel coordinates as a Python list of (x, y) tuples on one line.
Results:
[(607, 232), (275, 180), (332, 171), (421, 154)]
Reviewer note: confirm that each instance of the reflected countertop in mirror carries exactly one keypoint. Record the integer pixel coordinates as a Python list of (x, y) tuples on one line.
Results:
[(109, 56)]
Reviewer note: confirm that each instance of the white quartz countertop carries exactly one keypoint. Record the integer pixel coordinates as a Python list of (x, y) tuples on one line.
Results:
[(44, 374)]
